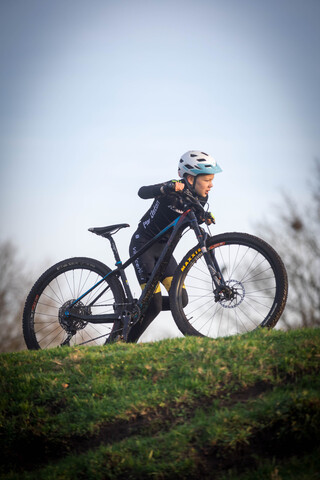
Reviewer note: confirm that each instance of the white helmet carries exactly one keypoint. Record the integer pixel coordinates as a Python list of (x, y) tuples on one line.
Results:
[(197, 163)]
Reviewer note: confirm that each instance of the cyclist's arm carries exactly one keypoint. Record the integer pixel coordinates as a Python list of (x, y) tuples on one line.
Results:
[(153, 191)]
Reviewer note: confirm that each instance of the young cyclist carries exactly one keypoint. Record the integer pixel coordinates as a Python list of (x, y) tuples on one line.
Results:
[(197, 170)]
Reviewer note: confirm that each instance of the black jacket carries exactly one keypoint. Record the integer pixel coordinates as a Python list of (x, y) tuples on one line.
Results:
[(165, 208)]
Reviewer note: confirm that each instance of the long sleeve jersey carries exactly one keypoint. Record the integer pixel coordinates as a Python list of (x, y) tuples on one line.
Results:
[(165, 208)]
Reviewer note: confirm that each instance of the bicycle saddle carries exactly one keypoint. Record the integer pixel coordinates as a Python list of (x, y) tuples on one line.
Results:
[(109, 230)]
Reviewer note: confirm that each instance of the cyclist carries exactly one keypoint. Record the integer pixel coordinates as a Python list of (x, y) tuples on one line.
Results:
[(197, 170)]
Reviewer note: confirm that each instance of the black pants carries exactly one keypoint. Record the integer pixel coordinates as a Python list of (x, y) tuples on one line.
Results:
[(144, 266)]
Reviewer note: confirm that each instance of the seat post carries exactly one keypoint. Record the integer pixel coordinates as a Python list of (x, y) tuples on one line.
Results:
[(119, 264), (114, 248)]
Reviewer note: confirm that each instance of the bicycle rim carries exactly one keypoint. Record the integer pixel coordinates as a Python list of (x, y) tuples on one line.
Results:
[(44, 323), (254, 274)]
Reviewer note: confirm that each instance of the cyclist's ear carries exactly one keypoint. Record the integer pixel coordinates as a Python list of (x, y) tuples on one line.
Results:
[(190, 179)]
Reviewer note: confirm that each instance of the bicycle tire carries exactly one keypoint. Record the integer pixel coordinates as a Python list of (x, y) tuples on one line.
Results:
[(43, 324), (251, 267)]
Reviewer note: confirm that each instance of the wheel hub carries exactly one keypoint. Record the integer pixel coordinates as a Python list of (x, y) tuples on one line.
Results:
[(232, 295), (69, 324)]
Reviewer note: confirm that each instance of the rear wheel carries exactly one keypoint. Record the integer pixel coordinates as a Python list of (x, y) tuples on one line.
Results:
[(255, 290), (45, 322)]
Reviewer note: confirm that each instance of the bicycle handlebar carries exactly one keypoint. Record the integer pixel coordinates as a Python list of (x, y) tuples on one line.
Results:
[(193, 202), (190, 200)]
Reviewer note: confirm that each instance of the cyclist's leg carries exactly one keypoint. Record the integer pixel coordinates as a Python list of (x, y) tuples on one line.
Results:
[(167, 281), (144, 266), (153, 311)]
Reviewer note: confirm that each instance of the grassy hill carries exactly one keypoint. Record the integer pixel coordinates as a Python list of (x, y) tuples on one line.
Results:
[(242, 407)]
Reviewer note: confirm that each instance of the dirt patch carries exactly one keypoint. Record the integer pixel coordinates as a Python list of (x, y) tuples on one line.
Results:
[(32, 451)]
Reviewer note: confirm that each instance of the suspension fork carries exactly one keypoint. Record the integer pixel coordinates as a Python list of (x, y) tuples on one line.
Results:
[(208, 256)]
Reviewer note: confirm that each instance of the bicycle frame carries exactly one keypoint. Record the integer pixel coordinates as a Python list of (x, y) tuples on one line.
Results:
[(188, 218)]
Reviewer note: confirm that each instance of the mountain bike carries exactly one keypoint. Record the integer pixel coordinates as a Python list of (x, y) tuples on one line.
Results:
[(235, 283)]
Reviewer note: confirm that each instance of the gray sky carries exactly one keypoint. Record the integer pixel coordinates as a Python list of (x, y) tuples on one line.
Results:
[(101, 97)]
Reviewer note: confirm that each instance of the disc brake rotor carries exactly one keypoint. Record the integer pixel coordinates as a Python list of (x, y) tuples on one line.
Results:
[(233, 296)]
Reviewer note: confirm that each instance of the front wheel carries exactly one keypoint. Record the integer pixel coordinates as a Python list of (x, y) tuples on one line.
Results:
[(45, 324), (255, 292)]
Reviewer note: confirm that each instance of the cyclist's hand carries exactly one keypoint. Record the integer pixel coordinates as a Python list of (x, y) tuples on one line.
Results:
[(172, 186), (178, 186), (209, 218)]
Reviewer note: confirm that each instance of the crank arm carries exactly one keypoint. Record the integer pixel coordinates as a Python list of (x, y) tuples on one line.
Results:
[(66, 342), (126, 319)]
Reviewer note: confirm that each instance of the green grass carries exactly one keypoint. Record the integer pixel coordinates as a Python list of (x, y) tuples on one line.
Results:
[(242, 407)]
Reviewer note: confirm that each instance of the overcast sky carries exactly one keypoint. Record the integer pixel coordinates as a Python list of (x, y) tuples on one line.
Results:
[(101, 97)]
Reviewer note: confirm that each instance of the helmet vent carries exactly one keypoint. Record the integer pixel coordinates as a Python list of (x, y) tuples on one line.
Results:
[(202, 159), (193, 155), (205, 154)]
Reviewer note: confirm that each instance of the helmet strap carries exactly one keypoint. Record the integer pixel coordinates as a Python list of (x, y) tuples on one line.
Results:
[(192, 185)]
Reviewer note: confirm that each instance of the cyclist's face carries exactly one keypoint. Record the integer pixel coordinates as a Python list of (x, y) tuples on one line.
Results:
[(203, 184)]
